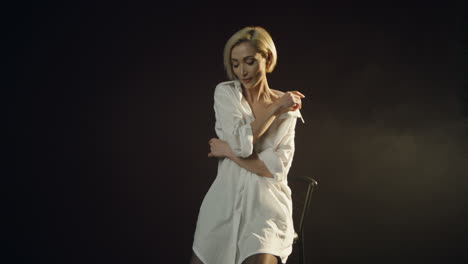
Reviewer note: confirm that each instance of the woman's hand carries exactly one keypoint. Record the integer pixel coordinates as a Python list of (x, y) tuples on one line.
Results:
[(219, 149), (289, 101)]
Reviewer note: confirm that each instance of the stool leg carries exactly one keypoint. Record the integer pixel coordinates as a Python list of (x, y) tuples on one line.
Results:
[(301, 251)]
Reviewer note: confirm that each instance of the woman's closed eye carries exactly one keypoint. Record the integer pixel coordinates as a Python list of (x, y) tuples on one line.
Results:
[(249, 63)]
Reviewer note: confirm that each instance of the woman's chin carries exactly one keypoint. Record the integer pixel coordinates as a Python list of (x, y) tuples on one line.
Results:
[(251, 84)]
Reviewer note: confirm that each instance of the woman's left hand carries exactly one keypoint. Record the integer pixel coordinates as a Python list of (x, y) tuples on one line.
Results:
[(219, 148)]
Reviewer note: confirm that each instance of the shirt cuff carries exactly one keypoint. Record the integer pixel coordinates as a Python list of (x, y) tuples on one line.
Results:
[(273, 163), (244, 146)]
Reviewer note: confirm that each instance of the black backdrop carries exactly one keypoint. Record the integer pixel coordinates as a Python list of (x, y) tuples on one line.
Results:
[(111, 113)]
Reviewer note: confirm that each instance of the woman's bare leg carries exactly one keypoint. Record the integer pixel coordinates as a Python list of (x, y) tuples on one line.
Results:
[(262, 258), (195, 259)]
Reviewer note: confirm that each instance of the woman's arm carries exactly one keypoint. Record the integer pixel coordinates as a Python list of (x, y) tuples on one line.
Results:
[(221, 149), (253, 164), (271, 162), (289, 101), (231, 127), (263, 121)]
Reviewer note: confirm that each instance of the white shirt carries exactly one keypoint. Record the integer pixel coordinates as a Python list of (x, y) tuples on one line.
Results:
[(243, 213)]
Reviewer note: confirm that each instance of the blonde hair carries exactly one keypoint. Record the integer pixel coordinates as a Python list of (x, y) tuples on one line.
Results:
[(260, 39)]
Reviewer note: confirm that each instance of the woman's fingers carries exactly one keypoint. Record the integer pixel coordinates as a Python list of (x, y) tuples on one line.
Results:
[(291, 101), (218, 148), (296, 97), (299, 93), (211, 141), (297, 102), (294, 107)]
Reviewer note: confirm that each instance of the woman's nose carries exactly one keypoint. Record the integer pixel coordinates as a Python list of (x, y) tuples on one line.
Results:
[(243, 71)]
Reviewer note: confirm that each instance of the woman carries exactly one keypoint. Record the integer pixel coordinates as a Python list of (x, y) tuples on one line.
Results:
[(246, 216)]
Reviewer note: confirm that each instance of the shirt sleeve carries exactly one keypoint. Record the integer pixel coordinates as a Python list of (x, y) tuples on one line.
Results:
[(230, 126), (278, 160)]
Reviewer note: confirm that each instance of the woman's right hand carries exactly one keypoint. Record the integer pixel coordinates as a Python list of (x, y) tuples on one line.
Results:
[(289, 101)]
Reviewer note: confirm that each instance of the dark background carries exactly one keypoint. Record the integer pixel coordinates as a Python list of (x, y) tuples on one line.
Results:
[(112, 110)]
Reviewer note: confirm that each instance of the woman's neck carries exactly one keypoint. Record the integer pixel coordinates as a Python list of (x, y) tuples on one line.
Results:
[(260, 92)]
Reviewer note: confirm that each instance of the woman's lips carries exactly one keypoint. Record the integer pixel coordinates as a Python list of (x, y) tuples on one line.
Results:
[(246, 80)]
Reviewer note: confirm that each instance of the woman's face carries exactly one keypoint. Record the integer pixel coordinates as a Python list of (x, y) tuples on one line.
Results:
[(247, 64)]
